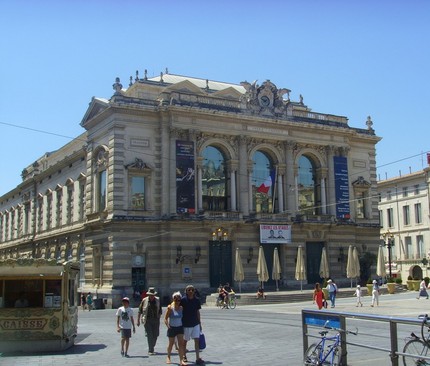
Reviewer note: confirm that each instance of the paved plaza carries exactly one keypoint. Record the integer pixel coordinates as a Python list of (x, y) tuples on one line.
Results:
[(263, 334)]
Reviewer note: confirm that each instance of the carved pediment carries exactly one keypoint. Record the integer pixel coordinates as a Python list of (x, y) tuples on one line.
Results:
[(185, 86), (96, 106), (361, 183), (228, 93), (138, 164)]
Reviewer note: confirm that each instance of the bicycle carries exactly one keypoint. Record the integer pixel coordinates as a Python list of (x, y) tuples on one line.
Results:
[(230, 304), (328, 350), (417, 346)]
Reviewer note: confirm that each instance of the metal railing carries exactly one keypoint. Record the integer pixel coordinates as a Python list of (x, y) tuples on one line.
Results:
[(316, 319)]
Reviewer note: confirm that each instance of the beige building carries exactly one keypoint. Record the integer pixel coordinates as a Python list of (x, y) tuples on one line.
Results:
[(405, 225), (174, 175)]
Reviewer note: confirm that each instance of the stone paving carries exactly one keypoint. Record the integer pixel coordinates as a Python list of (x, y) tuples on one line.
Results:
[(263, 334)]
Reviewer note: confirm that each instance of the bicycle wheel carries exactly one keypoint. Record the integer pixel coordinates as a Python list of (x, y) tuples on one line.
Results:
[(312, 355), (425, 330), (337, 353), (415, 347), (232, 304)]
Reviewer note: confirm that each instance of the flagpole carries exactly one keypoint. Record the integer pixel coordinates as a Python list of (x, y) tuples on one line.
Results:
[(274, 189)]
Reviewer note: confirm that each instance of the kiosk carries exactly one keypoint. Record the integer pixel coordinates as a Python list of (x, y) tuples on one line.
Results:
[(38, 304)]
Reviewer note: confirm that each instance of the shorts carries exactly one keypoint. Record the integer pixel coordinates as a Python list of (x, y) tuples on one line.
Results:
[(192, 332), (174, 331), (125, 333)]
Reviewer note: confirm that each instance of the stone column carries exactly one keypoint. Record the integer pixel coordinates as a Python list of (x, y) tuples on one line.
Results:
[(280, 187), (249, 175), (291, 183), (323, 197), (243, 183), (199, 164)]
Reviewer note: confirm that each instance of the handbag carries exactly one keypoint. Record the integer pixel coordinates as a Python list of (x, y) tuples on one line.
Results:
[(202, 341)]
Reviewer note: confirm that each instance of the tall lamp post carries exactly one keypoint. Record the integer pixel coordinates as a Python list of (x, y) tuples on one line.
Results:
[(389, 243)]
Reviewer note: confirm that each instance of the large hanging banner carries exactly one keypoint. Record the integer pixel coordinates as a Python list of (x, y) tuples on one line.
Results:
[(341, 187), (185, 177), (275, 234)]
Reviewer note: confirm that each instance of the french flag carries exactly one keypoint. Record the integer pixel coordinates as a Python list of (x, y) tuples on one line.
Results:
[(268, 183)]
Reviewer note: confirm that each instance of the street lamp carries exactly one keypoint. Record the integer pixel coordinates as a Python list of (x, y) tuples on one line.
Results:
[(389, 243)]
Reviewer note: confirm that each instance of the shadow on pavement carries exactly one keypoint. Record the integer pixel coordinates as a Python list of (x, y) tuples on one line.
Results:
[(76, 349)]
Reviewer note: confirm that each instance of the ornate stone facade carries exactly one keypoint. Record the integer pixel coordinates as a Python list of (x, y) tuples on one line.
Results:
[(171, 161)]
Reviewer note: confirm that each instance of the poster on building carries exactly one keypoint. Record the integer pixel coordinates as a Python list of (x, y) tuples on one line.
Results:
[(275, 234), (341, 187), (185, 177)]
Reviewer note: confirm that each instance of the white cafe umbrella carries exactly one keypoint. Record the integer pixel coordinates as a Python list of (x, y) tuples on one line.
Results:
[(352, 270), (356, 262), (262, 272), (300, 274), (380, 264), (324, 268), (276, 270), (239, 275)]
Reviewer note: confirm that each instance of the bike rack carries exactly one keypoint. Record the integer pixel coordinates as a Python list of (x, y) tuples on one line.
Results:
[(317, 318)]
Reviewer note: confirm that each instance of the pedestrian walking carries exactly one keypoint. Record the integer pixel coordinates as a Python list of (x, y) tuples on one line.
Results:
[(150, 313), (358, 294), (124, 325), (375, 293), (83, 301), (318, 296), (423, 290), (332, 290), (89, 301), (191, 321), (175, 329)]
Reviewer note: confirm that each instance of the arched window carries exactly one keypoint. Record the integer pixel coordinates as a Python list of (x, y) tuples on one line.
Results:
[(263, 183), (307, 187), (214, 180)]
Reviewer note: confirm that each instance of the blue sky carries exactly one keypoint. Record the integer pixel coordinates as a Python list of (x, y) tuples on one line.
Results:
[(349, 58)]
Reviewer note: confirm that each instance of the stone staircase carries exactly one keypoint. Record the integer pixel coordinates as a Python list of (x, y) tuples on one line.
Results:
[(290, 296)]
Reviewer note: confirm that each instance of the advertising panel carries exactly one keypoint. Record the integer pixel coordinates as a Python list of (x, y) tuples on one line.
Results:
[(341, 187), (185, 177), (275, 234)]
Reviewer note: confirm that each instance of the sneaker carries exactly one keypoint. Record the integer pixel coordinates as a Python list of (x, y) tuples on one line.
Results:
[(126, 355), (122, 353), (199, 361), (151, 353), (184, 359)]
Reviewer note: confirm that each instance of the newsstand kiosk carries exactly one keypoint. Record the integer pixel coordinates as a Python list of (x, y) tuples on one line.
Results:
[(38, 304)]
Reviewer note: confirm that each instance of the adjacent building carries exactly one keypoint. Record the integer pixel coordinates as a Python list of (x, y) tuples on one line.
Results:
[(174, 175), (405, 223)]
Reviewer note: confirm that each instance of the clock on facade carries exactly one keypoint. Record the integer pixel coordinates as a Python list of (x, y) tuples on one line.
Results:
[(264, 101)]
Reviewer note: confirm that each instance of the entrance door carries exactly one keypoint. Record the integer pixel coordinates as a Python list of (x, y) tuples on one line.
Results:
[(138, 279), (268, 254), (220, 262), (313, 260)]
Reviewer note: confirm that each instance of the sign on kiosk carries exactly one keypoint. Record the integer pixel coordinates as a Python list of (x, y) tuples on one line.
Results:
[(275, 234)]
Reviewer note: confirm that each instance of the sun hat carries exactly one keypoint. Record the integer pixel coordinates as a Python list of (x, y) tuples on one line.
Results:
[(151, 291)]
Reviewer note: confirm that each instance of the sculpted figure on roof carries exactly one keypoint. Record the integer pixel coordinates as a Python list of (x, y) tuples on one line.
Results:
[(264, 99)]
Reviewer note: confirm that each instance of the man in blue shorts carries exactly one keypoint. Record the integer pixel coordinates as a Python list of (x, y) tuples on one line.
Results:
[(191, 321)]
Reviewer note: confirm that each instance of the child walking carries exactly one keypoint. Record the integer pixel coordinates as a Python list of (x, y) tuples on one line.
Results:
[(358, 295), (124, 324), (375, 293)]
